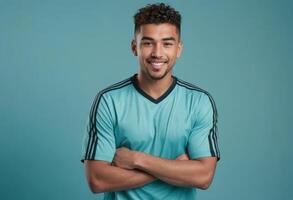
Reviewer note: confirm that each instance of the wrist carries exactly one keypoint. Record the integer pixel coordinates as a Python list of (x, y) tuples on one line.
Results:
[(139, 157)]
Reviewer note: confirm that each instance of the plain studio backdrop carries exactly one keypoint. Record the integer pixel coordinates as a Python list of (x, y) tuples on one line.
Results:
[(56, 55)]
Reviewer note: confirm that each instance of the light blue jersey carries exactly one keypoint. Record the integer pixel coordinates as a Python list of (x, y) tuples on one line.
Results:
[(183, 120)]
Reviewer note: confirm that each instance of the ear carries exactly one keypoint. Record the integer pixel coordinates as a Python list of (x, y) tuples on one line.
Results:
[(180, 48), (134, 47)]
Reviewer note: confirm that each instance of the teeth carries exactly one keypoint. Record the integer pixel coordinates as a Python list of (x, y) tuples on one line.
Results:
[(157, 64)]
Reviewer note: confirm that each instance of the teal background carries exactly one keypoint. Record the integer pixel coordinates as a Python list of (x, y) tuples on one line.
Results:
[(55, 56)]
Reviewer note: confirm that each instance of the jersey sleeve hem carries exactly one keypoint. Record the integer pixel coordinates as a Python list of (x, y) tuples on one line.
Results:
[(202, 155), (104, 157)]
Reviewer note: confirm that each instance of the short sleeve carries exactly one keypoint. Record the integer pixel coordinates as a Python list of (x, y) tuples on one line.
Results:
[(203, 138), (99, 140)]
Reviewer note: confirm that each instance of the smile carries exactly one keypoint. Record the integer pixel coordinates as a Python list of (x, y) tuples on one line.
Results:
[(157, 63)]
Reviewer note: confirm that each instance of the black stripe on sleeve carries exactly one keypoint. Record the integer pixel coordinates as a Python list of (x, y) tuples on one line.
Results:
[(92, 129), (213, 138), (96, 141)]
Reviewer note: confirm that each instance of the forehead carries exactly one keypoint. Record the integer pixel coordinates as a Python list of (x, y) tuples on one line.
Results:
[(157, 31)]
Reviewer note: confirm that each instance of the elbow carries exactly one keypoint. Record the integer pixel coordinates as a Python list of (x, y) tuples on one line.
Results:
[(97, 186), (97, 182), (205, 182), (204, 186)]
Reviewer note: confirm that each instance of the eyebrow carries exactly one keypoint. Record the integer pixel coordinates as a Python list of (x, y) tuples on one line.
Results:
[(169, 38), (164, 39)]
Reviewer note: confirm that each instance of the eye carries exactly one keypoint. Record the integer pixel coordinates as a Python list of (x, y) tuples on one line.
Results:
[(168, 44), (146, 43)]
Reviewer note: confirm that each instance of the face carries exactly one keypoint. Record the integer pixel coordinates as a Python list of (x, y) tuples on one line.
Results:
[(157, 48)]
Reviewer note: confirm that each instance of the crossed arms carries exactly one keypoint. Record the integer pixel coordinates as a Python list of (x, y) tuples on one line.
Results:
[(131, 169)]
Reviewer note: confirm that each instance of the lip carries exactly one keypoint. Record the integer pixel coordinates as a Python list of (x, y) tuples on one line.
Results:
[(156, 66), (157, 62)]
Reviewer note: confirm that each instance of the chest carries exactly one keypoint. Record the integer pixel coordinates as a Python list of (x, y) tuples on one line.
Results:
[(161, 130)]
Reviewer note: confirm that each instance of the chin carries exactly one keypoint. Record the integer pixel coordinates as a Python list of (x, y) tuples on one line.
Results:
[(155, 76)]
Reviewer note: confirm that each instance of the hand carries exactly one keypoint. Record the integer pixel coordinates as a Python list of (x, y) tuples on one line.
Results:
[(124, 158), (182, 157)]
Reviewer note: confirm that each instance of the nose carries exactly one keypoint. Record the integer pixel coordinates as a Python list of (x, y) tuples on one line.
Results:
[(157, 51)]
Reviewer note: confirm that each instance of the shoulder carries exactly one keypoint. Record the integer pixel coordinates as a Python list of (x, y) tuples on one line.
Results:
[(193, 89), (200, 96), (116, 88), (105, 96)]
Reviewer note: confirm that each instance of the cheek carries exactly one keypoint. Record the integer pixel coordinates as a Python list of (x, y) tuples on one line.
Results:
[(173, 56), (144, 55)]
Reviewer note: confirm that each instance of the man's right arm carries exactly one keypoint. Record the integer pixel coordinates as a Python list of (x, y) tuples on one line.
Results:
[(103, 177)]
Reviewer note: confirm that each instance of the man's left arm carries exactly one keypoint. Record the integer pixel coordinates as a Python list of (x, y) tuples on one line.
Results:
[(187, 173)]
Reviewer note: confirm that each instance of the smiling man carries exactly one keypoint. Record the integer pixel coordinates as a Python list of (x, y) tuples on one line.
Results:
[(153, 135)]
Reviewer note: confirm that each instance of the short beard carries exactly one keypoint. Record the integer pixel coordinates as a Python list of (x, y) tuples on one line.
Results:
[(158, 78)]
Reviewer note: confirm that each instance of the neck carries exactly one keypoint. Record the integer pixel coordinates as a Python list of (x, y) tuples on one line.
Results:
[(154, 88)]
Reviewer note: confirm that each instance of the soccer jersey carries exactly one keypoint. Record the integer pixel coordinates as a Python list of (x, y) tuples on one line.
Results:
[(183, 120)]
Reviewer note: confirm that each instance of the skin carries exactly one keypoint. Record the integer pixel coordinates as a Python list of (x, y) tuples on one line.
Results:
[(105, 177), (186, 173), (156, 43), (157, 47)]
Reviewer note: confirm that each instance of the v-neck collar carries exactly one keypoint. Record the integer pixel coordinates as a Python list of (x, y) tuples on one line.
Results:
[(158, 100)]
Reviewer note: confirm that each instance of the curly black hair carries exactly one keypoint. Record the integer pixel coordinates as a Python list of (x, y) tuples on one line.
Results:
[(157, 14)]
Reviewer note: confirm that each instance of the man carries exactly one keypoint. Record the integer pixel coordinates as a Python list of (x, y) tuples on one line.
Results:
[(152, 136)]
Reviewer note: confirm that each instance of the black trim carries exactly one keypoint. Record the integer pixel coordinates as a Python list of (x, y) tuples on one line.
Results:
[(193, 87), (158, 100), (116, 87), (92, 129), (213, 138), (211, 133)]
